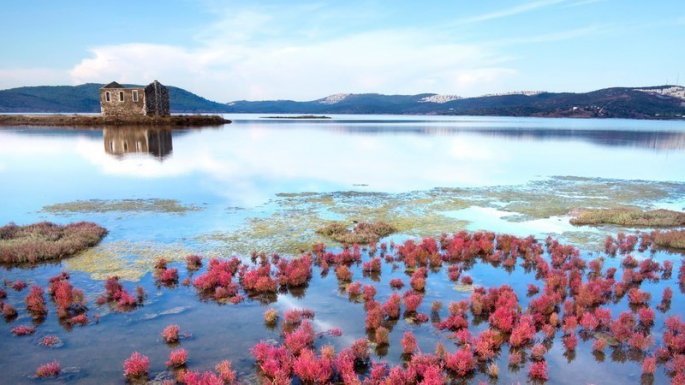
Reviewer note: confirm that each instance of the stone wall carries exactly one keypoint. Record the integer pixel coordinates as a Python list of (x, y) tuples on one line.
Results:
[(156, 99), (121, 101)]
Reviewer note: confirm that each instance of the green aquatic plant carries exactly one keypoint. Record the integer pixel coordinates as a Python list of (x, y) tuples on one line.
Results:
[(46, 241)]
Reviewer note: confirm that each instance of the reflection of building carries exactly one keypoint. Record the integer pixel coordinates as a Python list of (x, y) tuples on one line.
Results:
[(121, 141), (117, 100)]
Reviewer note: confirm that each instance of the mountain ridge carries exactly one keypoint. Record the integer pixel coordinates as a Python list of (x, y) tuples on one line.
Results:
[(654, 102)]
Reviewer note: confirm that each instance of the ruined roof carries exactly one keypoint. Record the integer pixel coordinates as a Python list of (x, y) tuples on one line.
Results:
[(113, 85)]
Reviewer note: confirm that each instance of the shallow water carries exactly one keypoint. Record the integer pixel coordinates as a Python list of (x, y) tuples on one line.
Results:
[(267, 184)]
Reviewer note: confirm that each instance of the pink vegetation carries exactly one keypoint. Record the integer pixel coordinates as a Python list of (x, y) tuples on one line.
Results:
[(462, 362), (311, 369), (396, 283), (177, 357), (225, 372), (408, 343), (23, 330), (649, 365), (51, 369), (412, 301), (170, 333), (136, 366), (35, 302), (538, 370)]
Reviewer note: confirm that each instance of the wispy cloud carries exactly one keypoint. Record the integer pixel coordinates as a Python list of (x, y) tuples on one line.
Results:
[(506, 12), (592, 30), (584, 2)]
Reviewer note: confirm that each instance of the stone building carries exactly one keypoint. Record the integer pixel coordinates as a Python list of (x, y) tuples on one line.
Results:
[(117, 100)]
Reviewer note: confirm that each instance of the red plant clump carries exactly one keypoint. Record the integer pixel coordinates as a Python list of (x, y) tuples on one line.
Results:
[(169, 276), (51, 369), (274, 362), (136, 366), (381, 336), (354, 289), (408, 343), (301, 338), (538, 370), (599, 345), (35, 302), (571, 341), (412, 301), (115, 292), (418, 279), (177, 357), (523, 332), (295, 316), (374, 317), (369, 292), (343, 273), (295, 272), (538, 352), (311, 369), (646, 315), (649, 365), (391, 307), (461, 362), (170, 334), (81, 319), (396, 283), (7, 310), (225, 372), (193, 262), (50, 341), (19, 285), (372, 266), (23, 330), (197, 378), (466, 280)]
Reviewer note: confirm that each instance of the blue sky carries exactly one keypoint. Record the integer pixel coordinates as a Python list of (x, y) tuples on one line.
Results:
[(305, 50)]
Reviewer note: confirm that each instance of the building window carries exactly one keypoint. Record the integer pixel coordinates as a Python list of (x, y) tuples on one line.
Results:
[(107, 97), (121, 96), (135, 95)]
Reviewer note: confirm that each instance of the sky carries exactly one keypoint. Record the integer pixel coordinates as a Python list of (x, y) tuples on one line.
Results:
[(305, 50)]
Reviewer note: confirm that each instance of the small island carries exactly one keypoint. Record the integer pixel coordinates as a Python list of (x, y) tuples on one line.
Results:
[(122, 106), (298, 117), (100, 120)]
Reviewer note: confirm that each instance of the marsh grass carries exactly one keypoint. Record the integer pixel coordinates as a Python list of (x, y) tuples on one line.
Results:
[(671, 239), (630, 217), (46, 241), (170, 206)]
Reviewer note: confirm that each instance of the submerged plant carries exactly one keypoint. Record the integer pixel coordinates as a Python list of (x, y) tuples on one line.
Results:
[(136, 366)]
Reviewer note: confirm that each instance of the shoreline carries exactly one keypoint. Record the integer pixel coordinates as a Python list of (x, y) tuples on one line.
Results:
[(99, 120)]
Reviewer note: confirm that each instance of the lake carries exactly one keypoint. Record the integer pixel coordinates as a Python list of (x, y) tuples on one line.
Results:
[(268, 184)]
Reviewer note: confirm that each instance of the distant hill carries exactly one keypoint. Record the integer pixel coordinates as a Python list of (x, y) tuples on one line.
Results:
[(661, 102), (86, 98), (643, 103)]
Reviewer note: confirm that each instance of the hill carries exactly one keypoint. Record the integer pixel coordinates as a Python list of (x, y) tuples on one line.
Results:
[(661, 102), (86, 98), (644, 103)]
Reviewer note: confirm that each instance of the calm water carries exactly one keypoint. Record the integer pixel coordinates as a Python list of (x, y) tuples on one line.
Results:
[(233, 173)]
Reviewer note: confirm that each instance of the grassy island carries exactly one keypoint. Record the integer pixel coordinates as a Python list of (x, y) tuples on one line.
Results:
[(630, 217), (46, 241), (298, 117), (99, 120)]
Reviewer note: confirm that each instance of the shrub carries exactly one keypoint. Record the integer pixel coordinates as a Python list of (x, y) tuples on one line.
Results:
[(35, 302), (225, 372), (51, 369), (177, 357), (311, 369), (193, 262), (412, 301), (382, 335), (396, 283), (391, 307), (538, 370), (23, 330), (136, 366), (408, 343), (461, 362), (271, 316), (343, 273), (170, 333), (649, 365), (571, 341), (45, 241)]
